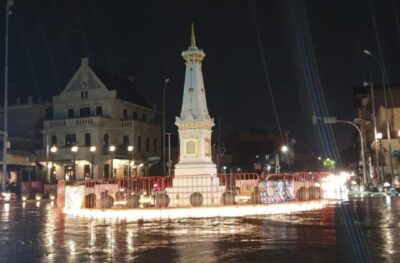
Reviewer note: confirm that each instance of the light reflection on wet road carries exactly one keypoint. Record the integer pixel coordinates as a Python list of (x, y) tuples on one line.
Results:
[(358, 231)]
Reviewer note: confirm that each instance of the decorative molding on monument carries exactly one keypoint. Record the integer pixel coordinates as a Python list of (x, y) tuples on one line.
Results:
[(185, 125)]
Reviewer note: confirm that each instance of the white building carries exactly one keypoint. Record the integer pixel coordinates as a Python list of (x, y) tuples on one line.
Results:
[(99, 109)]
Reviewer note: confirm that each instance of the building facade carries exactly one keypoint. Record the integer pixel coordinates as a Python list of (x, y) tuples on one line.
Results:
[(380, 123), (111, 125)]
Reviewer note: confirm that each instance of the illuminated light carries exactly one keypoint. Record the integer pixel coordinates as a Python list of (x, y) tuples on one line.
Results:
[(199, 212), (53, 149), (269, 167), (37, 204), (6, 197), (284, 148), (141, 165), (353, 182), (386, 184), (317, 184), (52, 196), (38, 196), (379, 135), (224, 167), (92, 148), (24, 198), (334, 186), (49, 165), (112, 148), (74, 148), (130, 148)]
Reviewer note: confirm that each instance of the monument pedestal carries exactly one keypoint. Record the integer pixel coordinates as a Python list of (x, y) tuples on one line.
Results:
[(195, 178)]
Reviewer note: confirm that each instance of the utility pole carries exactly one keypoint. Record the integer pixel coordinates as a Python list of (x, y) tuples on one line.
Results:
[(9, 3), (219, 145), (169, 163)]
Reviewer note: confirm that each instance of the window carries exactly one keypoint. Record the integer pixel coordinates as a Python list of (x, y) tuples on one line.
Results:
[(125, 140), (53, 140), (147, 144), (155, 145), (71, 113), (139, 142), (106, 139), (86, 170), (87, 139), (135, 115), (70, 139), (84, 94), (99, 111), (84, 112), (125, 114), (144, 117)]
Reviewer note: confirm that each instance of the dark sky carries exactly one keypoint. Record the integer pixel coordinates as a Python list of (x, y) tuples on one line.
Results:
[(310, 47)]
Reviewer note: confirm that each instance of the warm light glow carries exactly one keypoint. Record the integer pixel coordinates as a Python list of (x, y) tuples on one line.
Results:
[(284, 148), (6, 197), (112, 148), (92, 148), (141, 165), (38, 197), (53, 149), (74, 148), (198, 212), (52, 196), (24, 197), (130, 148), (379, 135), (334, 186)]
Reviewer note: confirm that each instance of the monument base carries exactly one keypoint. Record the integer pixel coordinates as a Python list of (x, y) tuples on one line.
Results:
[(196, 180)]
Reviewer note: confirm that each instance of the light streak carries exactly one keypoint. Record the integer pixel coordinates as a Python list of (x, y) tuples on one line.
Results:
[(198, 212)]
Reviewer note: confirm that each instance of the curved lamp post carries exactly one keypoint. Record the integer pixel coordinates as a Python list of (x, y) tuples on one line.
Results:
[(384, 84)]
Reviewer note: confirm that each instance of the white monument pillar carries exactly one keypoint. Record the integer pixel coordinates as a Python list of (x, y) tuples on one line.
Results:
[(194, 123), (195, 171)]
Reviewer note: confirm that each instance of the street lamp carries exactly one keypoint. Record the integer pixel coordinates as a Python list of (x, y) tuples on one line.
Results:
[(163, 125), (53, 150), (112, 150), (384, 83), (93, 151), (379, 137), (333, 120), (74, 150), (9, 3), (130, 151)]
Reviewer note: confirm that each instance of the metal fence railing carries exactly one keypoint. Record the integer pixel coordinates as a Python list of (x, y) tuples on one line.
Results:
[(169, 191)]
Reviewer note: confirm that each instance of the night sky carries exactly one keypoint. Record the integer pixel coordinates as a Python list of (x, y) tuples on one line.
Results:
[(318, 39)]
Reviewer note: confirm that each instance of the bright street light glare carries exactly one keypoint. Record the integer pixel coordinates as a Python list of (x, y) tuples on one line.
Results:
[(284, 148)]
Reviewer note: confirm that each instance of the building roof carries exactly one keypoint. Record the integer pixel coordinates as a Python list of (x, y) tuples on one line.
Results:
[(125, 88)]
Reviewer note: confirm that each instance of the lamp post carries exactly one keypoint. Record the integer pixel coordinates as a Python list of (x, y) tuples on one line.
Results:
[(384, 83), (379, 137), (130, 152), (112, 150), (163, 125), (169, 163), (53, 150), (9, 3), (74, 150), (93, 151), (333, 120)]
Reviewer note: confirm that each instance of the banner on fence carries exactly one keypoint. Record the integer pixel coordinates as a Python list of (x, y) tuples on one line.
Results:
[(276, 191), (74, 196), (246, 187), (109, 189)]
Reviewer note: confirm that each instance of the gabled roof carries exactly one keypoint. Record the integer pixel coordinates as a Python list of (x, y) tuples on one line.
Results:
[(126, 90)]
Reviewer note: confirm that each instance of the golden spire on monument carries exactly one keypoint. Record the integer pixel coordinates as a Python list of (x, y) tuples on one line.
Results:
[(193, 38)]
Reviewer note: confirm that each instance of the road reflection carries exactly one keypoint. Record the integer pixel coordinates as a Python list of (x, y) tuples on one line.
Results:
[(360, 229)]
